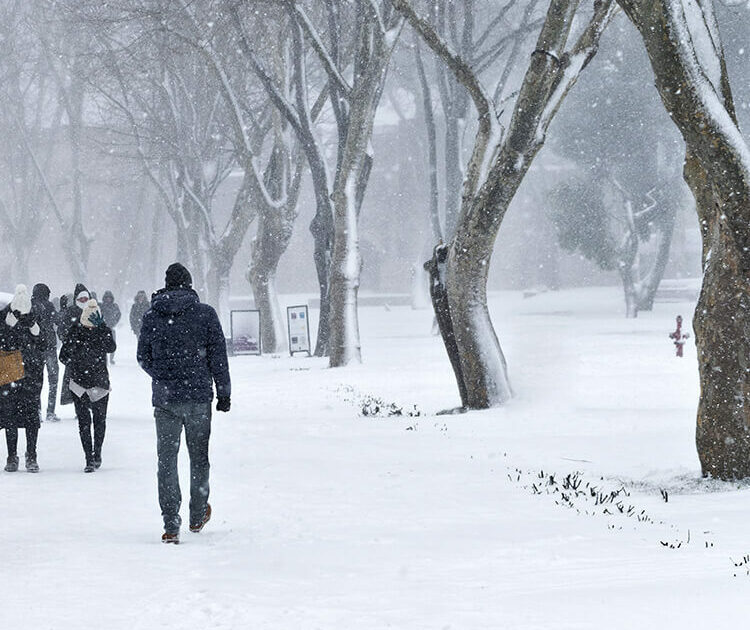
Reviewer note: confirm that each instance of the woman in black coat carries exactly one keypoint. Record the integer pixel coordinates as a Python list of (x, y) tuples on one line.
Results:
[(20, 401), (84, 352)]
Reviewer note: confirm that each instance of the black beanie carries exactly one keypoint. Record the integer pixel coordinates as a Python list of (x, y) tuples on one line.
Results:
[(80, 288), (178, 277), (40, 292)]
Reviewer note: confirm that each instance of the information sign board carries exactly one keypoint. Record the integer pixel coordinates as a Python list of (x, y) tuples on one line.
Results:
[(299, 329), (245, 332)]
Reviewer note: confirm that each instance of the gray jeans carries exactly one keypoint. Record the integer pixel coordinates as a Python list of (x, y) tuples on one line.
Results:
[(170, 418)]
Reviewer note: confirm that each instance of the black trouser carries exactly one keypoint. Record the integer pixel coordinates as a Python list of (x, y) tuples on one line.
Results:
[(114, 338), (53, 372), (11, 439), (88, 411)]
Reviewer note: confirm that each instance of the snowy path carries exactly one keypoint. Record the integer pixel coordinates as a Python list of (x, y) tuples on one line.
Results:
[(323, 519)]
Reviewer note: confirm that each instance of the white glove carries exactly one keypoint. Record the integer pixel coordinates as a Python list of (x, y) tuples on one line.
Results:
[(10, 319), (34, 330)]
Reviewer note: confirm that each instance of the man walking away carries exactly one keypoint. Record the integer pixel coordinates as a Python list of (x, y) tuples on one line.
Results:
[(182, 348), (137, 311), (111, 314), (46, 315)]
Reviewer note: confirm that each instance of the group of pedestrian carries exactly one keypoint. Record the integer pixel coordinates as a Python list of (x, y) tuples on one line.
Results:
[(29, 332), (181, 346)]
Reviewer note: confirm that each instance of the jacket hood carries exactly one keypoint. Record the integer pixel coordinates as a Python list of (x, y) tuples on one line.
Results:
[(80, 288), (40, 292), (108, 295), (173, 301), (141, 295)]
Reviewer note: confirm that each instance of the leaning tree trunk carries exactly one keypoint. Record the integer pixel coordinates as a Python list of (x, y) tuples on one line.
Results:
[(551, 73), (683, 45), (650, 284), (544, 86)]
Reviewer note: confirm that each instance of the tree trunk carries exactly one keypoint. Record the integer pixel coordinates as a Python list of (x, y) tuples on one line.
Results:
[(683, 46), (345, 270), (156, 245), (270, 243), (483, 366), (650, 285), (322, 231)]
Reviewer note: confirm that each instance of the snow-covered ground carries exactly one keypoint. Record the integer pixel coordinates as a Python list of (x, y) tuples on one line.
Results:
[(327, 519)]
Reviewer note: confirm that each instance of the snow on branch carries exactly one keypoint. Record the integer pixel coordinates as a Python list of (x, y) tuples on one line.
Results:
[(300, 16), (575, 60), (696, 42), (464, 74), (488, 120)]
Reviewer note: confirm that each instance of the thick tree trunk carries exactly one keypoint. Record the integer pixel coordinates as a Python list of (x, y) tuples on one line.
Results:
[(270, 243), (345, 269), (483, 364), (218, 292), (683, 45)]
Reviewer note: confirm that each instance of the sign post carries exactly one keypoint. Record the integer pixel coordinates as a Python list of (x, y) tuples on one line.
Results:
[(299, 329), (245, 326)]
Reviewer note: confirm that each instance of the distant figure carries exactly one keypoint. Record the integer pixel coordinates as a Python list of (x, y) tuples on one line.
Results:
[(84, 354), (21, 377), (679, 337), (111, 314), (140, 305), (182, 348), (67, 319), (47, 317)]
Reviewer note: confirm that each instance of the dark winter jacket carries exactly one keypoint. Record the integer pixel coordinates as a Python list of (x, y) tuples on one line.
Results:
[(137, 311), (85, 355), (182, 348), (46, 314), (110, 310), (71, 315), (20, 401)]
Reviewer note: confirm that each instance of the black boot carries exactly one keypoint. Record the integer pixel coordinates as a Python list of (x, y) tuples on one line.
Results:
[(31, 463), (12, 465)]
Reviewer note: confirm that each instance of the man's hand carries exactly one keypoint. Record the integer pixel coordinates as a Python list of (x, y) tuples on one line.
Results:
[(223, 403)]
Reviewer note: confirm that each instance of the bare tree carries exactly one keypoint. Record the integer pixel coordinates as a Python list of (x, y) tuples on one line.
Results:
[(498, 163), (28, 113), (375, 29), (683, 43), (600, 219)]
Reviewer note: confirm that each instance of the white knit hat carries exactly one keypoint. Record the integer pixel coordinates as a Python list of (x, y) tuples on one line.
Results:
[(21, 301)]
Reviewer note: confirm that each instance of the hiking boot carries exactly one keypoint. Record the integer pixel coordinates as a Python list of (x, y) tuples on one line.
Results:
[(31, 464), (51, 417), (12, 464), (196, 527), (89, 467), (170, 538), (97, 462)]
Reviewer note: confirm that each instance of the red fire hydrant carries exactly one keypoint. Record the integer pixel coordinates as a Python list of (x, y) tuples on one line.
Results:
[(678, 336)]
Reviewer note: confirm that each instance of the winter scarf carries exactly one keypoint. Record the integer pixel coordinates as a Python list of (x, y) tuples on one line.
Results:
[(81, 296)]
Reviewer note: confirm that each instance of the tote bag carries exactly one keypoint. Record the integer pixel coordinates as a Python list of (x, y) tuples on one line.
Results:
[(11, 366)]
